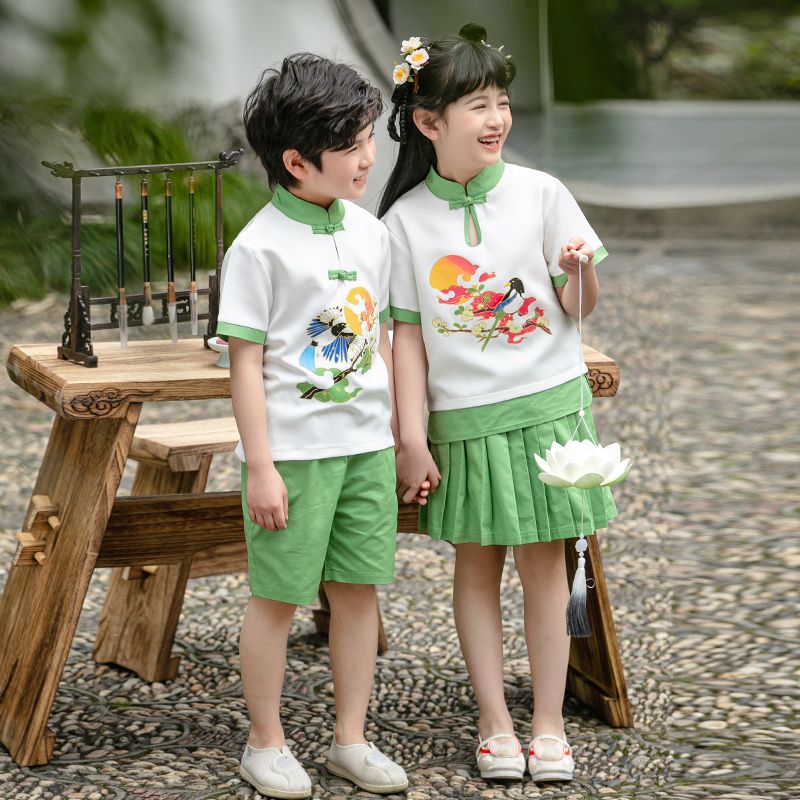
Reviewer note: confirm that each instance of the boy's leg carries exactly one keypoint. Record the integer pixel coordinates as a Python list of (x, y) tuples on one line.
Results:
[(353, 640), (543, 573), (476, 606), (262, 652)]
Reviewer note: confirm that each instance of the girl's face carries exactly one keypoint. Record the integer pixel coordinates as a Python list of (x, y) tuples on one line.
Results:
[(470, 134)]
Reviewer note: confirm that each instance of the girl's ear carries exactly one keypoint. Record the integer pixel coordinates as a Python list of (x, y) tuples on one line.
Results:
[(295, 164), (427, 123)]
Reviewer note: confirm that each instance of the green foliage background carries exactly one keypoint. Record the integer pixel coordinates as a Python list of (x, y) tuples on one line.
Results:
[(81, 99)]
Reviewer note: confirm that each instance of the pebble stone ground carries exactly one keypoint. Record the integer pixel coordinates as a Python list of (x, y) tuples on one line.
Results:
[(699, 565)]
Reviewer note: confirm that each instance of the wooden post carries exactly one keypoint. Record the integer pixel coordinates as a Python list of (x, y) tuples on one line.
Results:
[(140, 614), (41, 603)]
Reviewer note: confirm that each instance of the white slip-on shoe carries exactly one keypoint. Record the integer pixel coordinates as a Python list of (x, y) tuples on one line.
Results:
[(366, 767), (500, 758), (275, 773), (550, 759)]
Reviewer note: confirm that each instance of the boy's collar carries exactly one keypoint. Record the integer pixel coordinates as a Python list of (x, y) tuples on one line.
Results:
[(320, 219), (480, 185)]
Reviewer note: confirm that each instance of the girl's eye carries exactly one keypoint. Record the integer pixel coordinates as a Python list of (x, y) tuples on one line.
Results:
[(477, 108)]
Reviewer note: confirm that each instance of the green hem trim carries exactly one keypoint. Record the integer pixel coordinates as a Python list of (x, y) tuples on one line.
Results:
[(241, 332), (560, 280), (384, 315), (322, 220), (404, 315), (601, 254)]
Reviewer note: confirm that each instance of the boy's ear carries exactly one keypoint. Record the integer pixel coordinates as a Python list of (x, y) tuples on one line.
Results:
[(295, 164), (427, 123)]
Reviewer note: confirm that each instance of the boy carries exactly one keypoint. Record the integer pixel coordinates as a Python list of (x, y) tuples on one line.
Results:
[(304, 303)]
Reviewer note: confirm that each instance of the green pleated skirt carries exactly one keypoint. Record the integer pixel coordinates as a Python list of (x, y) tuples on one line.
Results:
[(490, 492)]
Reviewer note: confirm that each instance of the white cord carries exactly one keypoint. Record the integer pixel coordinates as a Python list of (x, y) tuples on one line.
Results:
[(582, 259)]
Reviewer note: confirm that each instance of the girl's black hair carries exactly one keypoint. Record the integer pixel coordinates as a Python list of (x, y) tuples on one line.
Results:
[(311, 104), (456, 66)]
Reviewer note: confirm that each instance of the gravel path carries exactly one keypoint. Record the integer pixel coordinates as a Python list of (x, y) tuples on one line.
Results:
[(698, 565)]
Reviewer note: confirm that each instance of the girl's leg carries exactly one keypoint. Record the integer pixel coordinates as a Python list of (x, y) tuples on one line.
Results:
[(543, 572), (476, 605), (353, 639), (262, 653)]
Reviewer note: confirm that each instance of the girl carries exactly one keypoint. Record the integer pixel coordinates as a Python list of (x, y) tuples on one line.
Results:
[(485, 260)]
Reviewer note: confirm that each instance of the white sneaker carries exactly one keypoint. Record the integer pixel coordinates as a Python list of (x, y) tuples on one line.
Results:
[(366, 767), (500, 757), (550, 759), (275, 773)]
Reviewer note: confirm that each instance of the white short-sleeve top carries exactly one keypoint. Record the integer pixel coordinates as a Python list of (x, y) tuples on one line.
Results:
[(311, 284), (492, 324)]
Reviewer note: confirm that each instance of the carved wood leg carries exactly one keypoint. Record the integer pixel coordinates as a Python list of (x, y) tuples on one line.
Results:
[(41, 603)]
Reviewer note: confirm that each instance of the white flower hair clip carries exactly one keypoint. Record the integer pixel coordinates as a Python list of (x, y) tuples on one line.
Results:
[(416, 56)]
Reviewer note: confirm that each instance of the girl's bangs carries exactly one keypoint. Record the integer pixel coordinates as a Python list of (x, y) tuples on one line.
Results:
[(472, 68)]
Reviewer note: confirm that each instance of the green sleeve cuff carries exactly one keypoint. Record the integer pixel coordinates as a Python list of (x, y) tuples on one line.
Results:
[(241, 332), (599, 255), (403, 315), (384, 315)]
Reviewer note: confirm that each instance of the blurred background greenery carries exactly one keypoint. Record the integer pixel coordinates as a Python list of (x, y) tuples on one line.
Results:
[(73, 75)]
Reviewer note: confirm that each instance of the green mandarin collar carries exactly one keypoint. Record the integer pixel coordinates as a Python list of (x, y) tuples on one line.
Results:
[(478, 187), (476, 191), (320, 219)]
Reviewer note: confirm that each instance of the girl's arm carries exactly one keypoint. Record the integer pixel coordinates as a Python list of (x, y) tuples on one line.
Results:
[(415, 465), (385, 352), (569, 262), (267, 498)]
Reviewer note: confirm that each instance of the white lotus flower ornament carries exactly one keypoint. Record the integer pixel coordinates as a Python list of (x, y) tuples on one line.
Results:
[(584, 465)]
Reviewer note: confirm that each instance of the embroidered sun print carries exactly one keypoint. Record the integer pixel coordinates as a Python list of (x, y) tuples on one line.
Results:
[(342, 343), (481, 311)]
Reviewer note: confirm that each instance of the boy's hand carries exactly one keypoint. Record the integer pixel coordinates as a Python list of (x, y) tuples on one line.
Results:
[(417, 473), (569, 260), (267, 498)]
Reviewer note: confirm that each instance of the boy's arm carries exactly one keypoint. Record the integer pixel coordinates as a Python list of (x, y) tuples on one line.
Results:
[(416, 469), (267, 498), (385, 351)]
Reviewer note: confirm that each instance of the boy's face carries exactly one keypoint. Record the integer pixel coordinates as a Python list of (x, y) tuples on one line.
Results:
[(344, 172)]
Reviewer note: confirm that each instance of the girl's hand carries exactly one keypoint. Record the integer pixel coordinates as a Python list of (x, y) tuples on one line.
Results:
[(267, 498), (569, 260), (417, 473)]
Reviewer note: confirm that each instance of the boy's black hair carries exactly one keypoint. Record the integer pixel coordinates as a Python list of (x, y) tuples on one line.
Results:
[(457, 66), (310, 104)]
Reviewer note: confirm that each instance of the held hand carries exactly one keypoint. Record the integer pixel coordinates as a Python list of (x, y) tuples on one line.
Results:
[(267, 498), (417, 474), (569, 260)]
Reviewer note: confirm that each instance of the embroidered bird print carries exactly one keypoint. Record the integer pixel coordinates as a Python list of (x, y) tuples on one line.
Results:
[(510, 303), (330, 335)]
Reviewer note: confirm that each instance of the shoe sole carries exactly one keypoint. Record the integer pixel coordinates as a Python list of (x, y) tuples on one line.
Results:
[(502, 775), (552, 776), (279, 794), (341, 772)]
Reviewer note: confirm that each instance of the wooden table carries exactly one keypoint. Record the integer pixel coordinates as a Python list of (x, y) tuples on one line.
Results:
[(75, 522)]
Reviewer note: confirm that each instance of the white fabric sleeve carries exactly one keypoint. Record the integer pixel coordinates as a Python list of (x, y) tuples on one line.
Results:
[(245, 296), (403, 298), (385, 273), (564, 219)]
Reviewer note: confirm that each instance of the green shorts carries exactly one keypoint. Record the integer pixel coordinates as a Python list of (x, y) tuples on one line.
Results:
[(342, 527)]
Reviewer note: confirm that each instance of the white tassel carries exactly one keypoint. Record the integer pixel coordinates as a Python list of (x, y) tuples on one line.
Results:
[(577, 617), (148, 315)]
